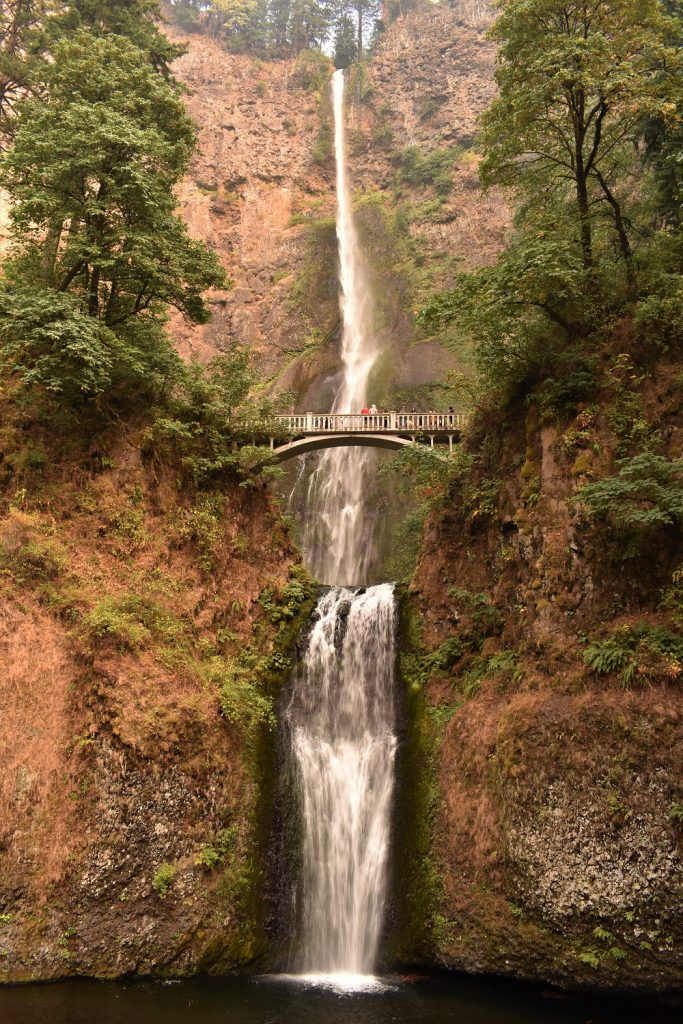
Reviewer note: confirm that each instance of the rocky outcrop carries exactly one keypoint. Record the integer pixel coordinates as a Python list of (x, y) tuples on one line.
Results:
[(557, 835), (261, 193), (430, 80), (135, 787), (253, 170)]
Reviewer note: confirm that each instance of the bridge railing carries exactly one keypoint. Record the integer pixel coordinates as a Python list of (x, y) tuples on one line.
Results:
[(381, 422)]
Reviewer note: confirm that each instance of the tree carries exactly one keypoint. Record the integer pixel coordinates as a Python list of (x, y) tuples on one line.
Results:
[(576, 78), (663, 133), (91, 174), (137, 20), (361, 13), (24, 26), (31, 29), (309, 24), (536, 291), (345, 44)]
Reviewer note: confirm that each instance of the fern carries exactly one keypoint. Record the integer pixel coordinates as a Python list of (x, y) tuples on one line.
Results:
[(645, 495), (626, 648)]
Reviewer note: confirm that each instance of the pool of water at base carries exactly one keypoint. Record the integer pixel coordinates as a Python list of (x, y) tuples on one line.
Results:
[(277, 999)]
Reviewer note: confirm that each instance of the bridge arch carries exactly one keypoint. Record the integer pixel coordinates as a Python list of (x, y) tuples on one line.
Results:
[(317, 442)]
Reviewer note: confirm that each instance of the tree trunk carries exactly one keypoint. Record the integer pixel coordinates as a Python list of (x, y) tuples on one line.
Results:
[(94, 298), (585, 221), (624, 243), (50, 250)]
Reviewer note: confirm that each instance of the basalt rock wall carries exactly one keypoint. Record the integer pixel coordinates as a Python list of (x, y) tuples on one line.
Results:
[(557, 782)]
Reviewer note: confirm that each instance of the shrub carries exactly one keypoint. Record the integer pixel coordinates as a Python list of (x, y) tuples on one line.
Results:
[(241, 699), (163, 879), (322, 149), (29, 556), (210, 856), (110, 620), (203, 525), (418, 168), (646, 494), (207, 858), (658, 319), (286, 604), (672, 598), (313, 70), (132, 622), (485, 617), (502, 664), (642, 650)]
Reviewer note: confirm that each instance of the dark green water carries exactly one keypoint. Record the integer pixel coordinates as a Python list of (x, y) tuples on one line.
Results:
[(275, 1001)]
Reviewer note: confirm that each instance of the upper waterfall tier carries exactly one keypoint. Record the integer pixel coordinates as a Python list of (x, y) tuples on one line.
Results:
[(337, 536)]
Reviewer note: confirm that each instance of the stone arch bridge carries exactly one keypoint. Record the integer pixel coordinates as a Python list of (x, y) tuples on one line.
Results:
[(394, 430)]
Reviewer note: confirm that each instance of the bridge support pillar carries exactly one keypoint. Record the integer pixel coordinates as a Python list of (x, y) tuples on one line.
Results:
[(431, 440), (272, 443), (450, 443)]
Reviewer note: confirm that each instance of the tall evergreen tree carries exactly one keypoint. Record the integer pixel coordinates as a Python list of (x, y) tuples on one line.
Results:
[(98, 250), (345, 42)]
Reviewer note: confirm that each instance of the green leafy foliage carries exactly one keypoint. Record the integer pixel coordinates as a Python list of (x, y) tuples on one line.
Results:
[(163, 879), (248, 680), (52, 345), (211, 426), (312, 71), (580, 86), (485, 617), (28, 556), (513, 308), (210, 855), (658, 317), (672, 598), (280, 26), (132, 622), (641, 652), (418, 168), (573, 79), (645, 495), (98, 252)]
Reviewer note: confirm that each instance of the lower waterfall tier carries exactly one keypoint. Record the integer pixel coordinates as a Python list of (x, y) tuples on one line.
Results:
[(340, 723)]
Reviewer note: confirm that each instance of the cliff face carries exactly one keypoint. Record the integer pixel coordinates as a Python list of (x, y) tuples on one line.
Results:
[(261, 193), (136, 766), (134, 759), (558, 787)]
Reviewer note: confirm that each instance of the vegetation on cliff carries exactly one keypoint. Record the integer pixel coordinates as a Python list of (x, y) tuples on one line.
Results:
[(281, 27), (96, 139), (150, 592), (548, 581)]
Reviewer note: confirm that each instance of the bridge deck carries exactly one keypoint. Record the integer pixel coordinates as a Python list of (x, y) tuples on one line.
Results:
[(398, 423), (313, 431)]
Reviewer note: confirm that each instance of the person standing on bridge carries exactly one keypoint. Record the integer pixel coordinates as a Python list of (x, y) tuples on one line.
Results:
[(365, 411), (373, 409)]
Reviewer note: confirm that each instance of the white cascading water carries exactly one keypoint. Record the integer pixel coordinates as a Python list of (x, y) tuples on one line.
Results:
[(341, 717), (341, 723), (335, 537)]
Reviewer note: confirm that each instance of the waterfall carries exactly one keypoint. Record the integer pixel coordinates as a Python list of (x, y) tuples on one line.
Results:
[(341, 721), (340, 716), (337, 538)]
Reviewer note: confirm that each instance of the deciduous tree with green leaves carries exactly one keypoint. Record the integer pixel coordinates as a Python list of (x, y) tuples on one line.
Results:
[(91, 174), (576, 79)]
